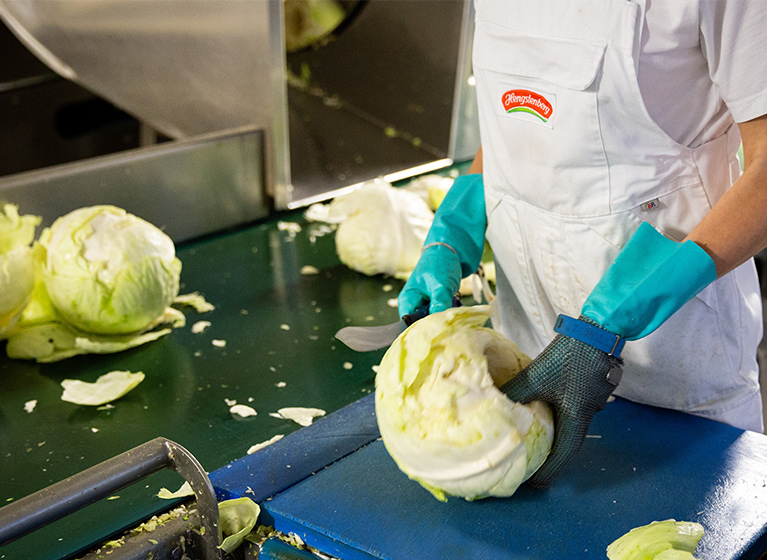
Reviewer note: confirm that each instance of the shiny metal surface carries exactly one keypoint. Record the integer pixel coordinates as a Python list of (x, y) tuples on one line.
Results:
[(189, 188), (464, 133), (187, 67), (366, 339), (389, 91), (55, 502)]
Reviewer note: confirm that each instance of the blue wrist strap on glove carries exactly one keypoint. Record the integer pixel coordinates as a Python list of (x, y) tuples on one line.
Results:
[(650, 280), (460, 221), (592, 335)]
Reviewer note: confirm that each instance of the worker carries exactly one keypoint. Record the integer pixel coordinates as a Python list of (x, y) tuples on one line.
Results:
[(609, 189)]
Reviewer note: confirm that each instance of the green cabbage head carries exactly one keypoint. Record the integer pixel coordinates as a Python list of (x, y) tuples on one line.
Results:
[(107, 271), (382, 229), (660, 540), (17, 263), (442, 417)]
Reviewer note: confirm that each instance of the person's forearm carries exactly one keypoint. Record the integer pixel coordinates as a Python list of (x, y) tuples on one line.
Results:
[(476, 165), (736, 227)]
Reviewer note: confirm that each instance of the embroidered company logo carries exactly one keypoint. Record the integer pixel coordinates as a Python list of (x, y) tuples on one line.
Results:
[(526, 101)]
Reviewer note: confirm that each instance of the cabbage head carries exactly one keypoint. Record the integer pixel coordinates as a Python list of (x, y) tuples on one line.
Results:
[(308, 21), (17, 264), (382, 229), (107, 271), (660, 540), (432, 188), (442, 417)]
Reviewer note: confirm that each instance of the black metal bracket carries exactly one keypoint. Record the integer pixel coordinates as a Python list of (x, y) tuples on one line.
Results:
[(100, 481)]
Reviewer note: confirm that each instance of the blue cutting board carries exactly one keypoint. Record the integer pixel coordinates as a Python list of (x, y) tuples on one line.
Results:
[(639, 464)]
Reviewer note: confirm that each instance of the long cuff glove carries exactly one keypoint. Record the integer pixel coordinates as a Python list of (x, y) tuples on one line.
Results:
[(649, 281), (452, 250)]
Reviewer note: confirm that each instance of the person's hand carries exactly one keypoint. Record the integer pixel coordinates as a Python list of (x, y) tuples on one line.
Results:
[(576, 379), (452, 250), (435, 280), (650, 280)]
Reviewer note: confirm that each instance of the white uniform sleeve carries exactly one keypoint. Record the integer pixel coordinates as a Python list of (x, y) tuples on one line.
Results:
[(734, 41)]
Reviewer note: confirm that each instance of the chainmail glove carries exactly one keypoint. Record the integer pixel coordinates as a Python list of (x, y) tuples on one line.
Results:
[(651, 279), (576, 379)]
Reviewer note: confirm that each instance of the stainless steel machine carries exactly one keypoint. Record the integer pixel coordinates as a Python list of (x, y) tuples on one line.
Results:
[(270, 104)]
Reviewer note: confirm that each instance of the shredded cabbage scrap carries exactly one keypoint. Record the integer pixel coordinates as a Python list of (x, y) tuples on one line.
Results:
[(660, 540)]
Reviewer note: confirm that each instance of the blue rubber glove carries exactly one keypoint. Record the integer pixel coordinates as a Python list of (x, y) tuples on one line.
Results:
[(651, 278), (452, 250)]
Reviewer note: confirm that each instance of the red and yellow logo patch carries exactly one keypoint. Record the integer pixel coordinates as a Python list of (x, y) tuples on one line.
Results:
[(526, 101)]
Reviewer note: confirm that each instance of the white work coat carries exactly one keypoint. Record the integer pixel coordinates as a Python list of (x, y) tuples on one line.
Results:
[(573, 163)]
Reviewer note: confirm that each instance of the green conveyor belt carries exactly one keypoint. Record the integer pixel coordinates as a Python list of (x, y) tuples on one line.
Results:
[(278, 325)]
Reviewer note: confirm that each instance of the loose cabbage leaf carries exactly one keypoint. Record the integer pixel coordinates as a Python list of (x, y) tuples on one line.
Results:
[(298, 414), (257, 447), (242, 410), (236, 518), (196, 301), (56, 341), (660, 540), (184, 491), (107, 388)]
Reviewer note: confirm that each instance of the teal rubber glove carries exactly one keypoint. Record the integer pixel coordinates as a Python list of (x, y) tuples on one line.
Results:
[(452, 250), (651, 278)]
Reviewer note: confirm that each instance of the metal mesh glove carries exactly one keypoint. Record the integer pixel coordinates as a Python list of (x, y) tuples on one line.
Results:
[(576, 379)]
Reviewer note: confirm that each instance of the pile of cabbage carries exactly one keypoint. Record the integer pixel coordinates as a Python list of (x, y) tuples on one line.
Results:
[(442, 417), (98, 280)]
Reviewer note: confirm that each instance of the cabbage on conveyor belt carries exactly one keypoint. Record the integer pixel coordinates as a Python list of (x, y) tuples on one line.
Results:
[(269, 345)]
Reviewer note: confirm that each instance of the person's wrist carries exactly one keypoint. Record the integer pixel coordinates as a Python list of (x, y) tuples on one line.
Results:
[(438, 244), (590, 332)]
